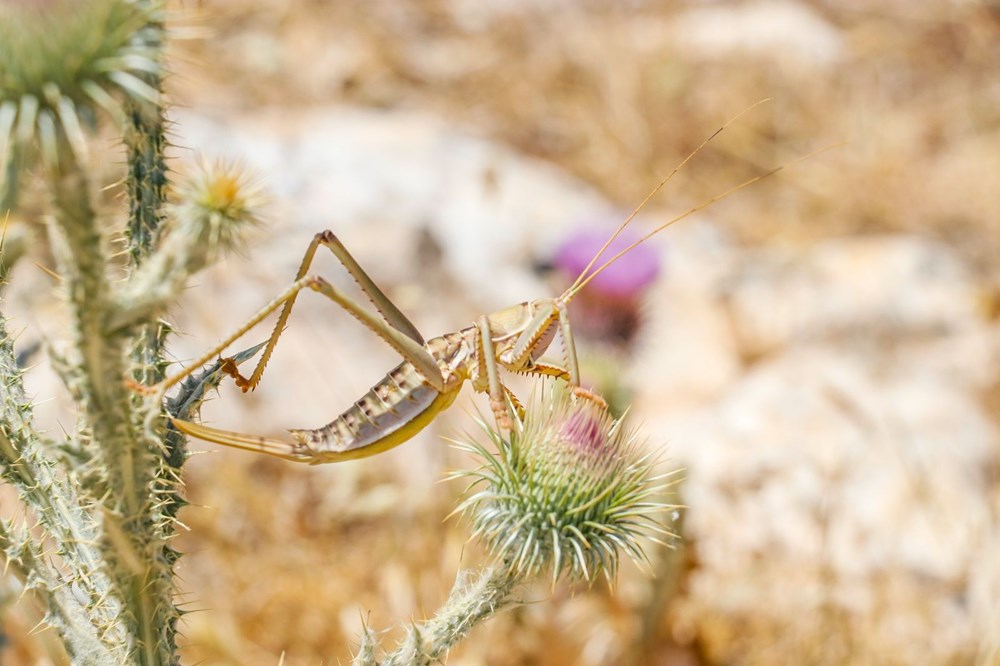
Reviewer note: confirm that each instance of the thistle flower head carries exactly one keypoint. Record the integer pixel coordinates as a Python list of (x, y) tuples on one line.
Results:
[(212, 207), (568, 491), (215, 203), (64, 61)]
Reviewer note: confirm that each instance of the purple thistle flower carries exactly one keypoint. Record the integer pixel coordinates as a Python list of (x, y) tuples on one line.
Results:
[(609, 308), (626, 278)]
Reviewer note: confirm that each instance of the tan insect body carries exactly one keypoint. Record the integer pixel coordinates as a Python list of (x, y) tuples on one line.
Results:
[(432, 373)]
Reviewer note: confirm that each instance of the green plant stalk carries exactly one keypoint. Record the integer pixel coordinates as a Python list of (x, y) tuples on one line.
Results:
[(126, 458), (147, 180), (145, 139), (469, 604), (28, 467), (35, 570), (146, 190), (108, 494), (9, 182)]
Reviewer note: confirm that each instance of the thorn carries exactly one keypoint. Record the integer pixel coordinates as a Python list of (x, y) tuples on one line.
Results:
[(51, 273), (141, 389)]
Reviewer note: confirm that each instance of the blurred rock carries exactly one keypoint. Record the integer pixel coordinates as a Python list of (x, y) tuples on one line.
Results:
[(888, 298), (827, 406), (832, 489), (791, 31), (379, 177), (687, 352)]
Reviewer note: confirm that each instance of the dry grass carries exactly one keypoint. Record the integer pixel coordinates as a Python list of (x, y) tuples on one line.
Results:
[(616, 94)]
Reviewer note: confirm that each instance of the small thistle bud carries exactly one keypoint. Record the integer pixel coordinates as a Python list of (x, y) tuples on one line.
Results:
[(568, 491), (62, 63), (213, 207)]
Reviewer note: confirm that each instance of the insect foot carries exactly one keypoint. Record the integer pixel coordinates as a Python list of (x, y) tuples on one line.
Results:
[(587, 394), (501, 413), (228, 366), (141, 389)]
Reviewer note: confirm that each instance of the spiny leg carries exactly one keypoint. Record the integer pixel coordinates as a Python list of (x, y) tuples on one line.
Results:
[(488, 359), (514, 403), (412, 351), (552, 370), (407, 347), (573, 366), (549, 370), (535, 331), (237, 440), (393, 317)]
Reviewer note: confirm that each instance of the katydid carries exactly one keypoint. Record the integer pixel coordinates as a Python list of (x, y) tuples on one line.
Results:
[(433, 371)]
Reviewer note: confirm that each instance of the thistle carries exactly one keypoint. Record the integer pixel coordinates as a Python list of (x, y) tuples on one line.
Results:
[(569, 491), (62, 65), (609, 313), (213, 206), (610, 310), (105, 493)]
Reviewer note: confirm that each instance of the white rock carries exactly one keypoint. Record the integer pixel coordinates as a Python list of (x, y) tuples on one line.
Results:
[(687, 354), (890, 297), (826, 406), (816, 470), (768, 29), (490, 210)]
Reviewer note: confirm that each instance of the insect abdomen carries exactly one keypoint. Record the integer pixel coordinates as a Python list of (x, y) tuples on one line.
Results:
[(387, 415)]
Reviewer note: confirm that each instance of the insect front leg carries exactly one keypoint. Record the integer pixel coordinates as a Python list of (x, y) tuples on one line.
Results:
[(552, 370), (573, 366), (488, 359), (535, 334)]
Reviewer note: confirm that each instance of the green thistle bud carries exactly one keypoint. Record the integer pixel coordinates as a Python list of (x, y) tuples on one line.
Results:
[(214, 206), (63, 62), (568, 490)]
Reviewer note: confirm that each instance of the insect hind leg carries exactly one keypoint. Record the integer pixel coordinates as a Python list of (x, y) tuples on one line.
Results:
[(390, 313), (392, 326)]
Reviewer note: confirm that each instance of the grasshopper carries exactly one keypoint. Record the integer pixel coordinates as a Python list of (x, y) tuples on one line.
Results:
[(433, 371)]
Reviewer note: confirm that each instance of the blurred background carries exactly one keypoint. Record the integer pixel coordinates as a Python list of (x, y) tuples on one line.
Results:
[(820, 352)]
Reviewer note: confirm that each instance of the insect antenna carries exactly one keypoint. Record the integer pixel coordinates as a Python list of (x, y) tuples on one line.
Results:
[(579, 282), (585, 278)]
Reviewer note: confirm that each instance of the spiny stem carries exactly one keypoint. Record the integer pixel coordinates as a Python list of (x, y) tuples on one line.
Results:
[(81, 637), (26, 463), (468, 605), (9, 180), (82, 263), (127, 459), (145, 139)]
